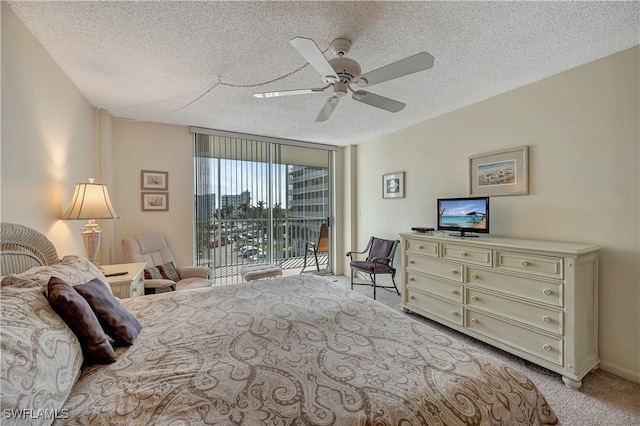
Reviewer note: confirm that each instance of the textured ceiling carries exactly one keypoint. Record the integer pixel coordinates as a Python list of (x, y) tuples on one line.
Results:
[(198, 63)]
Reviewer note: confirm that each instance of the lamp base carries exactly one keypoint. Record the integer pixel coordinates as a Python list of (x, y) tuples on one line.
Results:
[(91, 236)]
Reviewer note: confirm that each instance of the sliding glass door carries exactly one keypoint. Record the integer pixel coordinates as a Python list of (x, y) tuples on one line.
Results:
[(258, 202)]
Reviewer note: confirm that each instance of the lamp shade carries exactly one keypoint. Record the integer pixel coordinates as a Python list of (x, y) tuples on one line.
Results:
[(90, 201)]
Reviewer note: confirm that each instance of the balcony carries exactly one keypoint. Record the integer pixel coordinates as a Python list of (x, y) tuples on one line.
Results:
[(234, 243)]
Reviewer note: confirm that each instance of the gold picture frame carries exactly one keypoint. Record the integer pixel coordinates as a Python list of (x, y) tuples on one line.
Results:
[(393, 185), (497, 173), (153, 180), (155, 201)]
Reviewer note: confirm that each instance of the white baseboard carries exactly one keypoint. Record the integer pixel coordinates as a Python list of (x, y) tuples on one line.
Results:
[(633, 376)]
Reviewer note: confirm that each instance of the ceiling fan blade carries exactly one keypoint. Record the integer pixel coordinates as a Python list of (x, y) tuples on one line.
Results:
[(378, 101), (288, 92), (310, 51), (327, 109), (418, 62)]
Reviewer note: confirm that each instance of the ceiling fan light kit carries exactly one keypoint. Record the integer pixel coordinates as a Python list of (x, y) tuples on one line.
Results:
[(341, 72)]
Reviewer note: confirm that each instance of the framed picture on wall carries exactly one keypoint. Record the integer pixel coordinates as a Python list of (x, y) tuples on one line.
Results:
[(393, 185), (503, 172), (157, 181), (155, 201)]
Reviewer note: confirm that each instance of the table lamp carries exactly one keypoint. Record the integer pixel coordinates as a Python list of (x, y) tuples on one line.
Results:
[(90, 202)]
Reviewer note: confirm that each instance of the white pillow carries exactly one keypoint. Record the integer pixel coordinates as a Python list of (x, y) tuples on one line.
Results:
[(41, 357), (71, 269)]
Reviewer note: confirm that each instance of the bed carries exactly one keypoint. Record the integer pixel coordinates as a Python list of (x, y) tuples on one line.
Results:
[(285, 351)]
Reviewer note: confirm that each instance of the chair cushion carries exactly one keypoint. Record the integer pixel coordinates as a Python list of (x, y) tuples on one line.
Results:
[(76, 312), (380, 248), (366, 266), (116, 321), (153, 283), (193, 282), (149, 248), (162, 272)]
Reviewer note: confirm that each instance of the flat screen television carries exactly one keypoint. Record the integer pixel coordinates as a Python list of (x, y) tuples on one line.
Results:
[(464, 215)]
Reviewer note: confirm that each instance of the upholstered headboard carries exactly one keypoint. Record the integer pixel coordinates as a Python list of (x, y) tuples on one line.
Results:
[(22, 248)]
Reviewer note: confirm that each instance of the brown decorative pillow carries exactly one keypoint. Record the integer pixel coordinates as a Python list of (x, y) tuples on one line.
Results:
[(114, 318), (163, 272), (77, 313)]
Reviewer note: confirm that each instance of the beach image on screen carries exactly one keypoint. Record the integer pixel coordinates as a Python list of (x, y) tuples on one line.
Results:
[(463, 213)]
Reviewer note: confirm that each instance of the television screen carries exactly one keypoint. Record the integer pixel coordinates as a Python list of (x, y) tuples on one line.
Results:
[(464, 215)]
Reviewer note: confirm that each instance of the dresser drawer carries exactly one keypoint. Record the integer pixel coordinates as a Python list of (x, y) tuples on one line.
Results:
[(426, 248), (541, 266), (544, 346), (544, 318), (452, 271), (533, 289), (443, 309), (444, 289), (466, 254)]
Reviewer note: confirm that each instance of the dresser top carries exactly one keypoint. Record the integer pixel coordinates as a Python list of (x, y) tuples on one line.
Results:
[(514, 243)]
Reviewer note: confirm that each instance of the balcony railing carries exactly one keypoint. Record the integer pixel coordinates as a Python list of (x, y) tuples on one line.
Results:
[(229, 244)]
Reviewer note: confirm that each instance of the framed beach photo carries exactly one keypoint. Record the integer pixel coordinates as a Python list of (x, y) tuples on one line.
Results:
[(155, 201), (393, 185), (504, 172), (157, 181)]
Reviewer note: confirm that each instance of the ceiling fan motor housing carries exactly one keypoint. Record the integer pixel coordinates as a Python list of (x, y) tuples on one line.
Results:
[(347, 69)]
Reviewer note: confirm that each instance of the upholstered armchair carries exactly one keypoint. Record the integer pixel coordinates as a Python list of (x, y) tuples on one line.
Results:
[(161, 271)]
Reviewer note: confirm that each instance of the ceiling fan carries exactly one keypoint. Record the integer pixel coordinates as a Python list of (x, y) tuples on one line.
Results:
[(343, 73)]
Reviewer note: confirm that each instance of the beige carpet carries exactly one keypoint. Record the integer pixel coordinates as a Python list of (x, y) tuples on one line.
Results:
[(604, 399)]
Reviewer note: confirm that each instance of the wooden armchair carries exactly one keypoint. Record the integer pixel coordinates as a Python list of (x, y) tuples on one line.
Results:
[(321, 246)]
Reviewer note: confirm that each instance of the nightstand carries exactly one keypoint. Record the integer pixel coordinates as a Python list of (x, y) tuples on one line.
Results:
[(130, 284)]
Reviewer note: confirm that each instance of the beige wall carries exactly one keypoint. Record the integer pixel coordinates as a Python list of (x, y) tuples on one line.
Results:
[(582, 130), (138, 146), (47, 138)]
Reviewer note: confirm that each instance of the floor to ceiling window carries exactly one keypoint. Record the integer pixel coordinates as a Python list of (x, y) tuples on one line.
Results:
[(259, 200)]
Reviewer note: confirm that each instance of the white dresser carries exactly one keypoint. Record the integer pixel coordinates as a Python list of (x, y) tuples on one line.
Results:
[(535, 299)]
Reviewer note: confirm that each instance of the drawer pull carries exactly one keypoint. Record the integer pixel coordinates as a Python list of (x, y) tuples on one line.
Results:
[(421, 247), (546, 347), (412, 279), (412, 297), (454, 313), (454, 272), (546, 292), (474, 277), (546, 319), (524, 263), (463, 254), (474, 321), (412, 262), (474, 298), (454, 292)]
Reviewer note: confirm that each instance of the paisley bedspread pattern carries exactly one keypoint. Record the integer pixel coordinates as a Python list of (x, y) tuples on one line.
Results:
[(296, 350)]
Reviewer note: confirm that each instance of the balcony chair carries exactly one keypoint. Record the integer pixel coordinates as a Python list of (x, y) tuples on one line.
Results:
[(379, 261), (161, 271), (321, 246)]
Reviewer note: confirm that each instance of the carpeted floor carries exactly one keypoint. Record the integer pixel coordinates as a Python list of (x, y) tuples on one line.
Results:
[(604, 399)]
